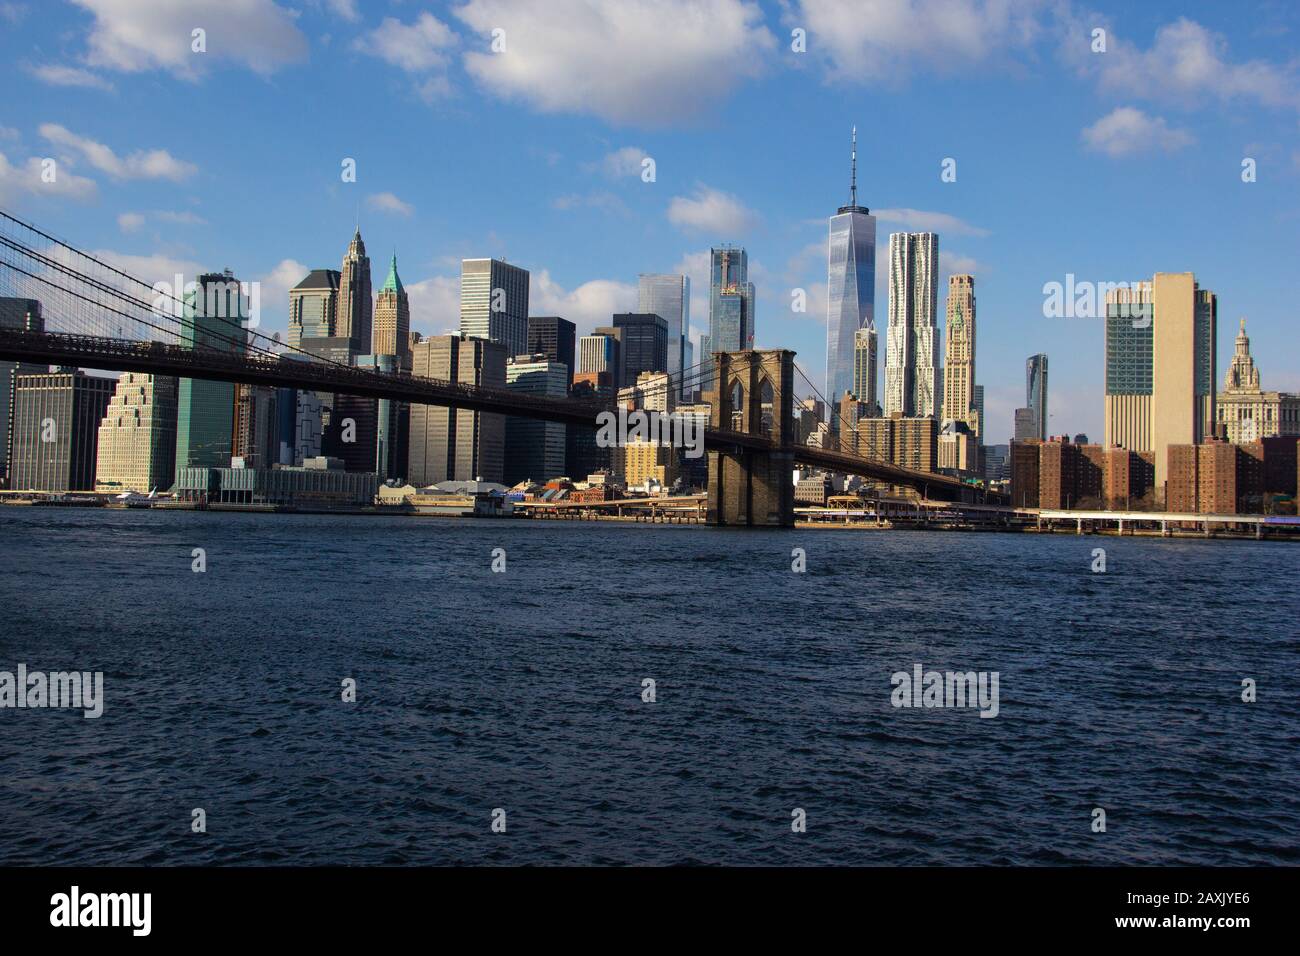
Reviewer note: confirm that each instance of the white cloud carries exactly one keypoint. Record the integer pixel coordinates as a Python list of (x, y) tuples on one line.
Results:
[(273, 291), (10, 134), (142, 164), (920, 220), (626, 61), (587, 306), (1186, 63), (952, 263), (621, 162), (1127, 131), (138, 35), (711, 210), (885, 39), (27, 179), (598, 199), (134, 221), (416, 47), (435, 304), (57, 75), (387, 202), (347, 9)]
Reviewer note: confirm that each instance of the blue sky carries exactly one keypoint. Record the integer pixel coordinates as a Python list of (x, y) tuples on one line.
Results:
[(1110, 166)]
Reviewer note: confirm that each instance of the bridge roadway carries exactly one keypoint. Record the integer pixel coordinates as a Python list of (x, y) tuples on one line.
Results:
[(125, 355)]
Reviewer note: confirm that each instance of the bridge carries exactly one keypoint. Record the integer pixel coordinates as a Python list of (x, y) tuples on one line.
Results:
[(99, 317)]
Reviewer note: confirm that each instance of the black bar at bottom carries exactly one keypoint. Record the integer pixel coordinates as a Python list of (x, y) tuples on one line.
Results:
[(945, 906)]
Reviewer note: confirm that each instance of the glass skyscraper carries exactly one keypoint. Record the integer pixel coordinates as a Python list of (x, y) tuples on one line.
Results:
[(1036, 391), (669, 297), (215, 316), (851, 288), (731, 300)]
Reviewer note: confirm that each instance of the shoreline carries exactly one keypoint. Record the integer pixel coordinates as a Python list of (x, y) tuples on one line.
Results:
[(678, 521)]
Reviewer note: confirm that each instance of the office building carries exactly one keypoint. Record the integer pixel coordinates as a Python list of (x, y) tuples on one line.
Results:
[(354, 313), (136, 446), (392, 320), (851, 292), (669, 297), (535, 449), (959, 354), (911, 378), (865, 369), (494, 303), (731, 300), (1025, 425), (1160, 365), (1243, 410), (389, 458), (553, 337), (456, 444), (1036, 393), (643, 345), (255, 438), (55, 431), (15, 314), (313, 306), (598, 352), (215, 313)]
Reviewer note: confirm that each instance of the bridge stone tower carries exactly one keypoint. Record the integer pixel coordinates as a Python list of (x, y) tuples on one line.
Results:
[(751, 480)]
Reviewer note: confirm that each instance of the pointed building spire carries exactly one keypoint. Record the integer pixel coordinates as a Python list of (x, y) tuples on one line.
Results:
[(853, 165), (393, 283)]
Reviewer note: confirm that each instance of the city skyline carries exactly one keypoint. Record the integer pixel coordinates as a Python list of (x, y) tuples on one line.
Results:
[(573, 208)]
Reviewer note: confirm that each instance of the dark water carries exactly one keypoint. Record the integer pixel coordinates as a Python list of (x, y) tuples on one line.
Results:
[(522, 690)]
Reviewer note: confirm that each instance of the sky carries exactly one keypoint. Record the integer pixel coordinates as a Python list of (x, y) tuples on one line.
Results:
[(521, 130)]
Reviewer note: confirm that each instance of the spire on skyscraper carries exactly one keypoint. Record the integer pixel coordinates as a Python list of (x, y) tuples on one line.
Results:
[(853, 166), (393, 283)]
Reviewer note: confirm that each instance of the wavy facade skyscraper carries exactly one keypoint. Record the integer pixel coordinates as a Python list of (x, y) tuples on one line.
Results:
[(911, 378)]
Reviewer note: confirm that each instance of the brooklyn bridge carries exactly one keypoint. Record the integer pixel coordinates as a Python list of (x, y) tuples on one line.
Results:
[(99, 317)]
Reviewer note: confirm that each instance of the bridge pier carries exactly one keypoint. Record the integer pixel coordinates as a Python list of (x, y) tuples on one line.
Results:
[(754, 395)]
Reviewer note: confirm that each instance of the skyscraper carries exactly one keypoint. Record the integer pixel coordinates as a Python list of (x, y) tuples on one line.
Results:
[(355, 307), (864, 369), (205, 410), (15, 314), (1036, 392), (553, 337), (494, 303), (598, 353), (731, 300), (392, 335), (1160, 366), (137, 437), (455, 444), (910, 378), (535, 449), (56, 420), (643, 345), (669, 297), (959, 352), (313, 306), (851, 288)]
